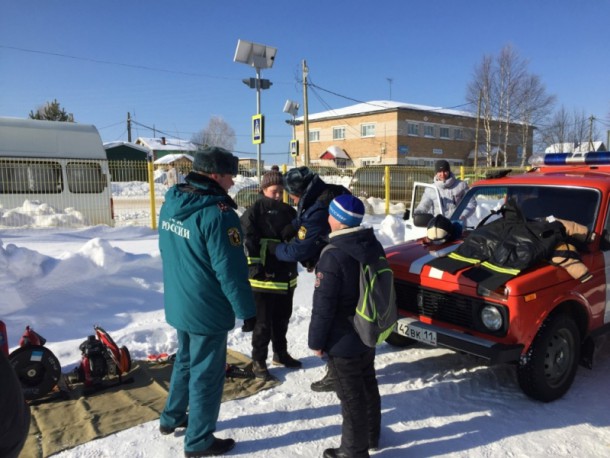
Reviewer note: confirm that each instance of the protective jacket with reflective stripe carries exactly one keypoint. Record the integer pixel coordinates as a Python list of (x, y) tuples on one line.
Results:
[(266, 221)]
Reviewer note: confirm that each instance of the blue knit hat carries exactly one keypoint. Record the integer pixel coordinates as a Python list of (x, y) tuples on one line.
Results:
[(347, 209)]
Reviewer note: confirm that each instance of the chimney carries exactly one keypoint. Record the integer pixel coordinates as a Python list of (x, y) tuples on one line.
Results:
[(163, 141)]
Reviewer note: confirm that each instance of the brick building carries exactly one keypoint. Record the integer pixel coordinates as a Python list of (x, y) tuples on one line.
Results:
[(387, 132)]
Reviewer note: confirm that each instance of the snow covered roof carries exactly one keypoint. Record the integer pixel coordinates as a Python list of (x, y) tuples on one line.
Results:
[(169, 158), (336, 152), (166, 144), (569, 147), (109, 145), (380, 105)]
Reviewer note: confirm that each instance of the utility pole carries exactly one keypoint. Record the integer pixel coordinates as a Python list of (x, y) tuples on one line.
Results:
[(476, 133), (591, 119), (128, 127), (305, 116), (390, 81)]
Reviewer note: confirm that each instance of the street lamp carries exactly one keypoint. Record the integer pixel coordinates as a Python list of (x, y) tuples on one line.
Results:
[(257, 56), (292, 108)]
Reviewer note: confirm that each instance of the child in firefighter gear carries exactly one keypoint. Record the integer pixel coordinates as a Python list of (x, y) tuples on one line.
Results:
[(273, 281), (206, 287), (312, 196), (331, 329)]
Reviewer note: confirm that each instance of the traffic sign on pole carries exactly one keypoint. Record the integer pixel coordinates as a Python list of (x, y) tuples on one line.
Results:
[(258, 129)]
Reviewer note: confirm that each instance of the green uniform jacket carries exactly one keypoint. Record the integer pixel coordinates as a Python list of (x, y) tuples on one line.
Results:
[(204, 266)]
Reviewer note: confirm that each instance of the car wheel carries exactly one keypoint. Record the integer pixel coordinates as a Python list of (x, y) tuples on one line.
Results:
[(396, 340), (547, 370)]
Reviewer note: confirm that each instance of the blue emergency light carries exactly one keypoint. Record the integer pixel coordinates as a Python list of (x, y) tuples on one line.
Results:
[(591, 158)]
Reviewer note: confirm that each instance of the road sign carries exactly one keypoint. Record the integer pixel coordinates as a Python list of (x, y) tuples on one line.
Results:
[(294, 148), (258, 129)]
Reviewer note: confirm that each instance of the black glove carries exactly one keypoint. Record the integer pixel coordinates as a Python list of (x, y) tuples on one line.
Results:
[(248, 324), (256, 271)]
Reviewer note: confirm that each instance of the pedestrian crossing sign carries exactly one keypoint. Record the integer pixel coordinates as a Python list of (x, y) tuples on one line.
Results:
[(294, 148), (258, 129)]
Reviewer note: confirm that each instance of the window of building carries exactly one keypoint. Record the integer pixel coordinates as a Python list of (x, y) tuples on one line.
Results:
[(314, 135), (428, 131), (458, 134), (413, 129), (444, 132), (367, 130), (338, 133)]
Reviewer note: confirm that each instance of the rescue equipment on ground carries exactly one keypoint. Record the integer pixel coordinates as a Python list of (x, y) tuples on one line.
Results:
[(37, 368), (101, 358)]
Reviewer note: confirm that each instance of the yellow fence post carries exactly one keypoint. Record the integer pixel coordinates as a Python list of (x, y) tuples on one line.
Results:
[(151, 184), (462, 173), (285, 195), (386, 171)]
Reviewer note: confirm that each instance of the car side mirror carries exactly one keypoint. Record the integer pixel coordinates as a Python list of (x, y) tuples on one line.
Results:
[(422, 219)]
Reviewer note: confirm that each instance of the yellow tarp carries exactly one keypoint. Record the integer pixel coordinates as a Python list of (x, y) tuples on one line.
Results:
[(59, 424)]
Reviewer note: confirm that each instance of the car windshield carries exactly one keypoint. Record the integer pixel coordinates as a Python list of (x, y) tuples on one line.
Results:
[(572, 204)]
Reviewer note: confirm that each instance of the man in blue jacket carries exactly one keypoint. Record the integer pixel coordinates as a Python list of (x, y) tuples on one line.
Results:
[(205, 276), (312, 196)]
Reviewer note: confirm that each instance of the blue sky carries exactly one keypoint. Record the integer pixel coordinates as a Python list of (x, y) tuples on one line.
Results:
[(170, 64)]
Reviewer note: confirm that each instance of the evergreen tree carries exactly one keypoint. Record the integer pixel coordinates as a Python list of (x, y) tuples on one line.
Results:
[(51, 111)]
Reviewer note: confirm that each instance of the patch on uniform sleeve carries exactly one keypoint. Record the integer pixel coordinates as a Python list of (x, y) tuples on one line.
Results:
[(302, 233), (234, 236), (319, 277)]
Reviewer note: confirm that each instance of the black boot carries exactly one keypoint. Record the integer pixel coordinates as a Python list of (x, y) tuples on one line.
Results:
[(218, 447), (334, 453), (327, 383), (261, 372), (284, 359)]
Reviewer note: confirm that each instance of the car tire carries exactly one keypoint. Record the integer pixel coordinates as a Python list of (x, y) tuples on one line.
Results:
[(396, 340), (547, 370)]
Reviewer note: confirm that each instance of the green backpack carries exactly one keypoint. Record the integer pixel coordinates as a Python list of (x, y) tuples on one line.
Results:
[(376, 312)]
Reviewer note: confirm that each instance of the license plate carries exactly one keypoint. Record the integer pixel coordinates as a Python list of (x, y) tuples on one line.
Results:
[(412, 331)]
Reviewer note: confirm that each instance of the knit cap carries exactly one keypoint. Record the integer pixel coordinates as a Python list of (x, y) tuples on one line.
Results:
[(347, 209), (271, 178)]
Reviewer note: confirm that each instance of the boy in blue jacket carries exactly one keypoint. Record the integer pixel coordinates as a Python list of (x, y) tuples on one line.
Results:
[(331, 330), (205, 278)]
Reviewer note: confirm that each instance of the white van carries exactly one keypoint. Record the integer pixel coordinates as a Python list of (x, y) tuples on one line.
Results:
[(61, 164)]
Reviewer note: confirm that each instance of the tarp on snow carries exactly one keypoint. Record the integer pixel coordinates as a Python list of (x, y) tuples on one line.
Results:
[(60, 424)]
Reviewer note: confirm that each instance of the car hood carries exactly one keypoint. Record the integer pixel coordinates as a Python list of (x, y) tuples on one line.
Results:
[(408, 261)]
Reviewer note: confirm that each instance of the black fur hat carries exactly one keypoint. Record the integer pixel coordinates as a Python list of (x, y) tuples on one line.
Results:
[(213, 159), (297, 180)]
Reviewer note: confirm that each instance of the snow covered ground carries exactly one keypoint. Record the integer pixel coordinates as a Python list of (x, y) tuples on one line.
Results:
[(435, 402)]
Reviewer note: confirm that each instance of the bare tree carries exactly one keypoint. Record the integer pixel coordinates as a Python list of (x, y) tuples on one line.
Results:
[(511, 73), (480, 91), (503, 85), (534, 107), (217, 133), (569, 128)]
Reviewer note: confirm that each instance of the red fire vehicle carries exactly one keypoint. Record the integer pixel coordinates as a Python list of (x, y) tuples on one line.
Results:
[(543, 318)]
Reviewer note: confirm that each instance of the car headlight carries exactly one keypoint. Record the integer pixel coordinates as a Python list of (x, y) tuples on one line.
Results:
[(491, 318)]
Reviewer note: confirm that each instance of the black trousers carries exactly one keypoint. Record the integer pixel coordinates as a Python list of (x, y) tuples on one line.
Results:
[(273, 312), (358, 392)]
